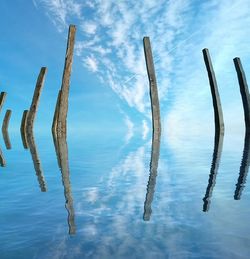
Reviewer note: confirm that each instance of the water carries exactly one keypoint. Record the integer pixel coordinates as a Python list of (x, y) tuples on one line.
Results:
[(112, 199)]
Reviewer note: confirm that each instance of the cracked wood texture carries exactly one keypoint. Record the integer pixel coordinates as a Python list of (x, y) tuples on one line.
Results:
[(63, 100)]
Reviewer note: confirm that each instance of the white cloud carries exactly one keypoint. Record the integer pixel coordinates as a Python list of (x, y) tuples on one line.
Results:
[(91, 63), (130, 129), (145, 129), (89, 27)]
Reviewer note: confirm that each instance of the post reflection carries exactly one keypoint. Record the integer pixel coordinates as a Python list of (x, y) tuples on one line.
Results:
[(6, 139), (36, 161), (218, 145), (2, 160), (61, 148), (155, 151), (243, 168)]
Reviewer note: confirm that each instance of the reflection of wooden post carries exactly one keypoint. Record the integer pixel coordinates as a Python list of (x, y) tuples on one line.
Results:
[(63, 103), (2, 160), (218, 114), (244, 92), (35, 100), (2, 99), (55, 119), (218, 144), (243, 168), (155, 107), (36, 161), (62, 152), (5, 129), (152, 178), (23, 129)]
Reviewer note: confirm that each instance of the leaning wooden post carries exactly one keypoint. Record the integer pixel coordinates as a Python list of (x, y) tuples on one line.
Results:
[(218, 114), (2, 99), (244, 92), (23, 129), (63, 102), (55, 118), (5, 129), (35, 100), (2, 160), (155, 107)]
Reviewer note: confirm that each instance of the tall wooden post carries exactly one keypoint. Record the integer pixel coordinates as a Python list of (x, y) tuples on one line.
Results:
[(218, 114), (35, 100), (63, 102), (55, 118), (244, 92), (2, 99), (5, 129), (23, 129), (155, 107)]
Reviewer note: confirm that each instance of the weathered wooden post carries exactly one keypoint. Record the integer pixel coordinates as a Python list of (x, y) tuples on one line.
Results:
[(218, 114), (55, 118), (5, 129), (156, 123), (244, 92), (155, 107), (63, 100), (218, 144), (35, 100), (2, 99), (244, 167), (2, 160), (23, 129), (36, 161)]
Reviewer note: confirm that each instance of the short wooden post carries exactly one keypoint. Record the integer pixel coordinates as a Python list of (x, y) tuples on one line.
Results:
[(2, 160), (23, 129), (218, 144), (55, 118), (5, 129), (36, 161), (2, 99), (35, 99), (62, 153), (155, 107), (244, 167), (63, 102), (244, 91), (218, 114)]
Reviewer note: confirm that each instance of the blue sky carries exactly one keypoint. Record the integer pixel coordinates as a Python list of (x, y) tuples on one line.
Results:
[(109, 85)]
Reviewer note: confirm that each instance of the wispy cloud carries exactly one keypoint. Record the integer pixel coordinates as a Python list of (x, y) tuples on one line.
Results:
[(145, 129), (130, 128), (91, 63)]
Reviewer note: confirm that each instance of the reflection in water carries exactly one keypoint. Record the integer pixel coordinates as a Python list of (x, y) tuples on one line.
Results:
[(36, 161), (23, 129), (218, 144), (5, 129), (6, 139), (243, 168), (62, 157), (152, 176), (2, 160)]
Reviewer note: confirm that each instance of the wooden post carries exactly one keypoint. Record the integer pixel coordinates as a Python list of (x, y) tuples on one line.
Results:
[(36, 161), (2, 99), (5, 129), (218, 144), (2, 160), (244, 167), (35, 100), (55, 118), (218, 114), (155, 151), (155, 107), (23, 129), (63, 103), (244, 91), (62, 154)]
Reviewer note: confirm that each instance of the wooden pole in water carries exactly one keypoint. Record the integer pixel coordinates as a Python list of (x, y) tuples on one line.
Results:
[(23, 129), (244, 92), (55, 118), (218, 114), (63, 102), (155, 107), (35, 100), (2, 99), (5, 129), (2, 160)]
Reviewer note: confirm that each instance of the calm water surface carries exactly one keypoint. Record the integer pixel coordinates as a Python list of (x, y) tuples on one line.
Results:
[(102, 198)]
